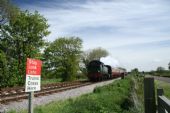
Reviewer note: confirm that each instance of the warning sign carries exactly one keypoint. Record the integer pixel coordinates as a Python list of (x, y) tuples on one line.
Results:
[(33, 75)]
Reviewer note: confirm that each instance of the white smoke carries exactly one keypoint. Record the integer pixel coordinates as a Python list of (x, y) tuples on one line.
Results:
[(110, 61)]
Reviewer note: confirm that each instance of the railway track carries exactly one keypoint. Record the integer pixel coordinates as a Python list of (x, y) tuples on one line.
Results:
[(18, 93)]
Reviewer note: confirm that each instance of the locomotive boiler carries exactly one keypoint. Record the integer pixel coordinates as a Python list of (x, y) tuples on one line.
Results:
[(98, 71)]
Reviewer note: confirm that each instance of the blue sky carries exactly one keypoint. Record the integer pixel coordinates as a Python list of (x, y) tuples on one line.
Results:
[(135, 32)]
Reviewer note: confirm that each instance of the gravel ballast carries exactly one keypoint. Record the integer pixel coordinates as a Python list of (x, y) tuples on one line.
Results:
[(23, 104)]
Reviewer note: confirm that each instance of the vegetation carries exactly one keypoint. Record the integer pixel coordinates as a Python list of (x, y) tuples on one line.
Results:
[(94, 54), (137, 93), (165, 86), (7, 11), (113, 98), (22, 37), (49, 81), (62, 57), (163, 73), (160, 69), (135, 72)]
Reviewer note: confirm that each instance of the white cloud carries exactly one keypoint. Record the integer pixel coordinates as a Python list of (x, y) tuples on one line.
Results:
[(120, 26), (130, 17)]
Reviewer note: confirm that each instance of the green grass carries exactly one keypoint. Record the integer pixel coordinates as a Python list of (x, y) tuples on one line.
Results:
[(137, 94), (140, 91), (165, 86), (48, 81), (113, 98)]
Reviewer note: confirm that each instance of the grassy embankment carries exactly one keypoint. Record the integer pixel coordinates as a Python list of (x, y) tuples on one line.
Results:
[(138, 92), (165, 86), (114, 98)]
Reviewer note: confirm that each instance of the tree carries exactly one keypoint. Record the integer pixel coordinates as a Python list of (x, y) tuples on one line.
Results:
[(62, 57), (97, 53), (160, 69), (94, 54), (3, 70), (22, 37), (7, 11), (135, 71), (169, 66)]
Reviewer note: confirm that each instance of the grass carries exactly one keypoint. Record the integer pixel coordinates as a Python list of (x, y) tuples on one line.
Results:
[(48, 81), (138, 83), (137, 94), (113, 98), (165, 86), (123, 96)]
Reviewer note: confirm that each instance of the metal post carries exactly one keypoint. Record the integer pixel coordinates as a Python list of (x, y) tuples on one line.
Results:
[(160, 92), (30, 104), (149, 95)]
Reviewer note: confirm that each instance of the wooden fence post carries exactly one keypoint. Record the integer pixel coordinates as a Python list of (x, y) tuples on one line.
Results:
[(149, 95), (160, 92)]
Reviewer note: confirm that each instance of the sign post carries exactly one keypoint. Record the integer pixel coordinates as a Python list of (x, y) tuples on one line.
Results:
[(30, 102), (33, 77)]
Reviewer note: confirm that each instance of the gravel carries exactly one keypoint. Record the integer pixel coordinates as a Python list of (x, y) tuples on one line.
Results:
[(23, 104)]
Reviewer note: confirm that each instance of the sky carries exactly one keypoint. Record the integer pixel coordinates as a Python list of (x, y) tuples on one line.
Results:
[(136, 33)]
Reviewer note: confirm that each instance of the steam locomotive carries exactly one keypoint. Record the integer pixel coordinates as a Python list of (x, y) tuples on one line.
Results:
[(98, 71)]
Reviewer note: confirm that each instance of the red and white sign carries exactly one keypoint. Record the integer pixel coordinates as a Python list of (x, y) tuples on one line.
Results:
[(33, 75)]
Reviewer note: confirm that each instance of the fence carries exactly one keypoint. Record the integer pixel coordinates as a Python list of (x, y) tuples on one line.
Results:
[(163, 104)]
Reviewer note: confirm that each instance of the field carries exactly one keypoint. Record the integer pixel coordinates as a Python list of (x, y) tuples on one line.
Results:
[(165, 86), (113, 98)]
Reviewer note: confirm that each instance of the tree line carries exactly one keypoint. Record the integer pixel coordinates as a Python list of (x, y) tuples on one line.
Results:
[(22, 36), (159, 71)]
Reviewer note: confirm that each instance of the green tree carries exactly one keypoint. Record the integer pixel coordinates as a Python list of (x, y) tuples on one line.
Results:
[(7, 11), (169, 66), (94, 54), (135, 71), (22, 37), (3, 70), (160, 69), (62, 57), (97, 53)]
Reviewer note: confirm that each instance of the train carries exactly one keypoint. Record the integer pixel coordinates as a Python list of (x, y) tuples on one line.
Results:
[(98, 71)]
